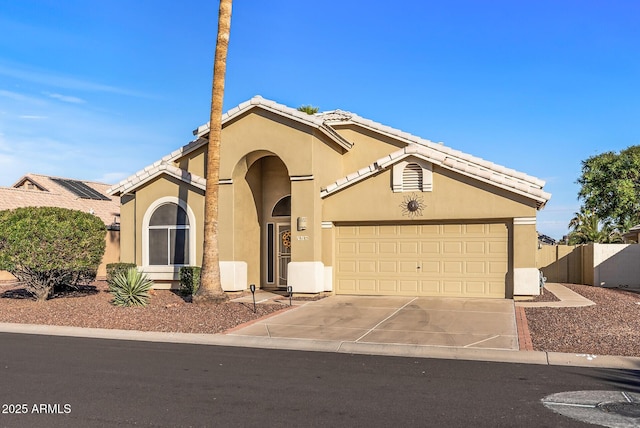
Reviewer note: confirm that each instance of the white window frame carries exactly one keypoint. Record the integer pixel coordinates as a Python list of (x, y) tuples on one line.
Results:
[(145, 232)]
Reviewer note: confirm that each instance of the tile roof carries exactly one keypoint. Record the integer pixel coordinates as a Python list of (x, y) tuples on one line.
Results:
[(51, 194), (314, 120), (453, 160), (437, 153), (143, 176), (152, 171), (342, 117)]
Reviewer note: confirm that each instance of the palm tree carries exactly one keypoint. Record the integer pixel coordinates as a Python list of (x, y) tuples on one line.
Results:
[(210, 290), (309, 109), (587, 228)]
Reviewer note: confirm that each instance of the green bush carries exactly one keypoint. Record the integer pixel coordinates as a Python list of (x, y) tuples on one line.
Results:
[(48, 247), (115, 268), (130, 288), (189, 279)]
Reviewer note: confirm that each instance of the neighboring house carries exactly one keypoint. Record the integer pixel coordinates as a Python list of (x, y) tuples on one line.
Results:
[(335, 202), (632, 236), (35, 190), (545, 240)]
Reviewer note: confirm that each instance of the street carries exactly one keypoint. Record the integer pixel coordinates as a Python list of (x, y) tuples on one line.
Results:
[(77, 382)]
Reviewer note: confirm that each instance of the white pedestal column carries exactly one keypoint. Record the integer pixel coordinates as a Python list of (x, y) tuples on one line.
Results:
[(306, 277), (233, 276), (526, 282)]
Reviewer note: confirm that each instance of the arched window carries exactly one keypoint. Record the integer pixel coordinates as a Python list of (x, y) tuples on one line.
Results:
[(412, 177), (169, 236), (282, 208)]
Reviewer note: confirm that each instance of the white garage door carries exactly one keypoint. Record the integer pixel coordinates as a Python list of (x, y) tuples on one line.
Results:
[(461, 260)]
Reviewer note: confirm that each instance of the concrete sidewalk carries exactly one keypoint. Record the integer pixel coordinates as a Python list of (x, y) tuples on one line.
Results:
[(568, 298)]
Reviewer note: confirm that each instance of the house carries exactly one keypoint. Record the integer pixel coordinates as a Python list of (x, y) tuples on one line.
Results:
[(632, 236), (336, 202), (36, 190), (545, 240)]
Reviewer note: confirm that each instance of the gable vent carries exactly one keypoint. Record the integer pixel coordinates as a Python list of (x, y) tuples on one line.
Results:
[(412, 177)]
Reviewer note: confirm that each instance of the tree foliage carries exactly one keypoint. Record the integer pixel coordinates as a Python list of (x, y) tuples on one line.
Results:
[(610, 187), (48, 247), (586, 227), (309, 109)]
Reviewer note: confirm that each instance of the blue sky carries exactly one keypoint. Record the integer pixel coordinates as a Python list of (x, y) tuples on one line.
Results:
[(98, 90)]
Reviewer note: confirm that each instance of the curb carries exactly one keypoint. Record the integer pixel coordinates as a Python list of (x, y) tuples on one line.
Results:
[(399, 350)]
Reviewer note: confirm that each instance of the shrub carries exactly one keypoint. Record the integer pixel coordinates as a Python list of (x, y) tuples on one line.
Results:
[(189, 279), (130, 288), (115, 268), (48, 247)]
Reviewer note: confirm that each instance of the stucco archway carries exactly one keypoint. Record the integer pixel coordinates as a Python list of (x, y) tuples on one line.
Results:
[(261, 183)]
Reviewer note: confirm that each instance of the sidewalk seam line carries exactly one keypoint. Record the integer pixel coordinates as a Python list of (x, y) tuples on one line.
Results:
[(395, 312), (480, 341)]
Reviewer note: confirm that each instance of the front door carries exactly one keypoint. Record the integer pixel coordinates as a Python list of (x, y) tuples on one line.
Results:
[(283, 246)]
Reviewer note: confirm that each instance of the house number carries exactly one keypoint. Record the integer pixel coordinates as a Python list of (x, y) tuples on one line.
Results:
[(303, 238)]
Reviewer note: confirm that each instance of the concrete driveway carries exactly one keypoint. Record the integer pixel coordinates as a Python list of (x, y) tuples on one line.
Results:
[(429, 321)]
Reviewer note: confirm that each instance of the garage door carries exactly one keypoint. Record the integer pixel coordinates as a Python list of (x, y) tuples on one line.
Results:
[(461, 260)]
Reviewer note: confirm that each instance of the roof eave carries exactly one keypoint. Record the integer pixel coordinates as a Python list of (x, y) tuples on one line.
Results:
[(439, 147), (282, 110), (522, 188), (141, 178)]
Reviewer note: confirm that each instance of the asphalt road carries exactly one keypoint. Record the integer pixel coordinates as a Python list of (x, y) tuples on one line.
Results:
[(77, 382)]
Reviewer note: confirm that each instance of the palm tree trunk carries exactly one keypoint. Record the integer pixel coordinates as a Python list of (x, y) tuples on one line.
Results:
[(210, 290)]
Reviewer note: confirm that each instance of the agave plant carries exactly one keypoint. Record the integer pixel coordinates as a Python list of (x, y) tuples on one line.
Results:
[(130, 288)]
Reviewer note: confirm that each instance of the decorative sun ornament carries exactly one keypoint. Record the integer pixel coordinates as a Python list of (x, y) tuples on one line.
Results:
[(412, 205)]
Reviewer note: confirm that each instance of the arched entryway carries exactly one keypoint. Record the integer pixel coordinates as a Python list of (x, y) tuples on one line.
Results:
[(262, 219)]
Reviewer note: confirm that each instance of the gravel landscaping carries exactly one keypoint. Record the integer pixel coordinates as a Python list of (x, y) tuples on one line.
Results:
[(90, 306), (611, 327)]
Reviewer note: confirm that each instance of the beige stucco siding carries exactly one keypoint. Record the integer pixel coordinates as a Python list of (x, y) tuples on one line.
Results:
[(111, 252), (327, 164), (305, 202), (454, 196), (264, 132), (128, 221), (194, 162), (367, 148), (525, 239), (268, 157)]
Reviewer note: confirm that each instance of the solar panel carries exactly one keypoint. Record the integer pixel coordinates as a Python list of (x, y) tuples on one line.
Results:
[(80, 189)]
